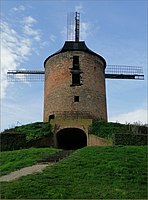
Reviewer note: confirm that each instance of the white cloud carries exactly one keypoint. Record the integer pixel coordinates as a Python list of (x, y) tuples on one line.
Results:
[(140, 115), (19, 8), (84, 30), (52, 38), (23, 114), (29, 20), (15, 48), (25, 47), (29, 30)]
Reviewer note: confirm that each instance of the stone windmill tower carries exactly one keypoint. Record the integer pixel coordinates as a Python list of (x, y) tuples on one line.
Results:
[(75, 82), (74, 88)]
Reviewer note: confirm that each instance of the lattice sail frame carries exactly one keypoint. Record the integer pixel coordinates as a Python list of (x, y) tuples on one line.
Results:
[(25, 76), (124, 72), (111, 71)]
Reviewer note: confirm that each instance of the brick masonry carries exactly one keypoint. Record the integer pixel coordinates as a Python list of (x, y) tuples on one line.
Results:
[(59, 94)]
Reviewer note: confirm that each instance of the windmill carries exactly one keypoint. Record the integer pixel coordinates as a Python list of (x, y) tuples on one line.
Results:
[(74, 86)]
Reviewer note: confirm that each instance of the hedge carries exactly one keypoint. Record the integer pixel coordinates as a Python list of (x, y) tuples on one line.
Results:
[(12, 141), (130, 139)]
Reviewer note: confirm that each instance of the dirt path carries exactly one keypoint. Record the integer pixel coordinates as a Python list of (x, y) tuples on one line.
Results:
[(24, 172), (43, 163)]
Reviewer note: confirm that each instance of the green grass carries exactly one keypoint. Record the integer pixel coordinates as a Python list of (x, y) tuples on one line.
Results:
[(13, 160), (115, 172), (107, 129), (32, 131)]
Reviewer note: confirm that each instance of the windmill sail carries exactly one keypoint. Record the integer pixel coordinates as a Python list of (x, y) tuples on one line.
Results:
[(111, 72), (25, 75), (124, 72)]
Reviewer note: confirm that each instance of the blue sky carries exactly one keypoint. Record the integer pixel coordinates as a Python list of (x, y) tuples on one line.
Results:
[(32, 30)]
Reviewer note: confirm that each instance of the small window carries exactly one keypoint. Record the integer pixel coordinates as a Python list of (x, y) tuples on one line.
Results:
[(75, 79), (76, 62), (76, 98)]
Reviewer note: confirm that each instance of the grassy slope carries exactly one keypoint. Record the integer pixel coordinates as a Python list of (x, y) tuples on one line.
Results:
[(13, 160), (116, 172), (32, 131), (108, 129)]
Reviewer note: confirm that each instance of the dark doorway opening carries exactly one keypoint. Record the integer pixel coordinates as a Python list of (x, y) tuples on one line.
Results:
[(71, 138)]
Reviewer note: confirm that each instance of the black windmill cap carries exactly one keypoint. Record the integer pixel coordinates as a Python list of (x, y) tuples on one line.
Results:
[(75, 46)]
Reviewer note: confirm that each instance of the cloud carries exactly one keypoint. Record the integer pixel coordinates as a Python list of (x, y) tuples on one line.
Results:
[(52, 38), (16, 47), (29, 29), (84, 30), (23, 113), (139, 115), (29, 20), (19, 8)]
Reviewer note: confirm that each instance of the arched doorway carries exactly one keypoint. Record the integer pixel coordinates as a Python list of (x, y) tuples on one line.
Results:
[(71, 138)]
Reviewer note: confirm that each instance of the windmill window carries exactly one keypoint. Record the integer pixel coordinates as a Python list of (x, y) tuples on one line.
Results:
[(76, 98), (76, 62), (75, 79)]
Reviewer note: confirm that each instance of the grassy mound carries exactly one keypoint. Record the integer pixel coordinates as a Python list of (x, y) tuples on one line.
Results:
[(32, 131), (116, 172), (13, 160), (108, 129), (100, 128)]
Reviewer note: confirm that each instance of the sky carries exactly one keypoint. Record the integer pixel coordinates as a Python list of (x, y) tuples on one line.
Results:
[(31, 30)]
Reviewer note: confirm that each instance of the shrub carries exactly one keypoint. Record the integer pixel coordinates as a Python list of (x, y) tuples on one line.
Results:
[(130, 139), (12, 141)]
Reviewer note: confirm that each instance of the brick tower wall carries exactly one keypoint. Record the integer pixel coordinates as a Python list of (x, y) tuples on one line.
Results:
[(59, 94)]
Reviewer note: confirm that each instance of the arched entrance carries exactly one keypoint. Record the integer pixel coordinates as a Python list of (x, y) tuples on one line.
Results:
[(71, 138)]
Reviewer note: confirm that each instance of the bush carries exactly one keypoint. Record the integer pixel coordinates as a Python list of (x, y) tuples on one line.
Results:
[(130, 139), (12, 141)]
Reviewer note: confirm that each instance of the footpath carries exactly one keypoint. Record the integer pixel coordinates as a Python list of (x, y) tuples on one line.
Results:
[(37, 168)]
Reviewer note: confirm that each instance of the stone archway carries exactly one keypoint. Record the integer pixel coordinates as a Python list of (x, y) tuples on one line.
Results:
[(71, 138)]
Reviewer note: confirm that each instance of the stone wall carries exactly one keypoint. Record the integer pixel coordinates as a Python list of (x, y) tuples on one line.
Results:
[(94, 140), (59, 94), (45, 141)]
